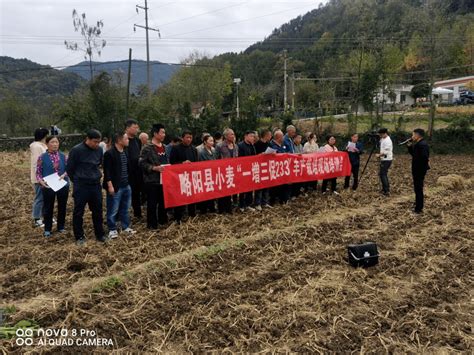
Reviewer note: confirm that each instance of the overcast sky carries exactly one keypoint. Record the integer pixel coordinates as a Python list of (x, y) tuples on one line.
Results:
[(36, 29)]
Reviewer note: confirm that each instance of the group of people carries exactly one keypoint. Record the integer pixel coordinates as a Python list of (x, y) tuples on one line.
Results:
[(129, 169)]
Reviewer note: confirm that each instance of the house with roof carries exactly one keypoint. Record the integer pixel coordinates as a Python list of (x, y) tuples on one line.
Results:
[(457, 85)]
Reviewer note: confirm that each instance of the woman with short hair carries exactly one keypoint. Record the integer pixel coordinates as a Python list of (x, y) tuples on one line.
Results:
[(206, 153), (50, 162), (328, 148)]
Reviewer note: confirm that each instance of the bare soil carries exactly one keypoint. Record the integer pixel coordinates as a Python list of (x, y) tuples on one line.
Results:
[(274, 281)]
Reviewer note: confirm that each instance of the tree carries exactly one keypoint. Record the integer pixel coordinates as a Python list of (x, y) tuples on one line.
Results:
[(200, 82), (100, 106), (420, 90), (17, 117), (92, 43), (470, 85)]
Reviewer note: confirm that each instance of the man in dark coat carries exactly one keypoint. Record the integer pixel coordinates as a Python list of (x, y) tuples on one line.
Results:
[(152, 160), (83, 168), (184, 153), (354, 148), (135, 176), (117, 186), (246, 149), (420, 165)]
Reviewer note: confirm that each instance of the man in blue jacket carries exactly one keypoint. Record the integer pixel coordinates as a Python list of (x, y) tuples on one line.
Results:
[(288, 139), (354, 149), (83, 168), (282, 192)]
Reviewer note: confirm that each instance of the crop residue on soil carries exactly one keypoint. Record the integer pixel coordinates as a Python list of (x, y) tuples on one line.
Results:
[(271, 281)]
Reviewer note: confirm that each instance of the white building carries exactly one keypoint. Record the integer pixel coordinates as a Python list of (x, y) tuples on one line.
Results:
[(456, 84), (397, 94)]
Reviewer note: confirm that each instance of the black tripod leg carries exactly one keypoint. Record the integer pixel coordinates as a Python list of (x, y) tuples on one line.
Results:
[(367, 162)]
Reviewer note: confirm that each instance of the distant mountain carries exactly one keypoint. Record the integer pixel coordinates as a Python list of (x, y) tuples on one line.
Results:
[(30, 80), (160, 72)]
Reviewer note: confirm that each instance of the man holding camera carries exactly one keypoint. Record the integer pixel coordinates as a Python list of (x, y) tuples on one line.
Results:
[(386, 157), (420, 152)]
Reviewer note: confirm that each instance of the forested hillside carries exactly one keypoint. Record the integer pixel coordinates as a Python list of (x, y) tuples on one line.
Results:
[(352, 47), (337, 58), (28, 92)]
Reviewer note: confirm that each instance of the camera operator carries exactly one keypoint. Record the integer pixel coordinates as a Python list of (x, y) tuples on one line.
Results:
[(386, 157), (420, 152)]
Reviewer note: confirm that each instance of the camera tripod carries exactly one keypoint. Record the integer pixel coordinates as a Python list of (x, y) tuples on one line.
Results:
[(375, 142)]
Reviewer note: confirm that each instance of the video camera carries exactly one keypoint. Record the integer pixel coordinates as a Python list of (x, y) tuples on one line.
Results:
[(55, 130), (374, 137)]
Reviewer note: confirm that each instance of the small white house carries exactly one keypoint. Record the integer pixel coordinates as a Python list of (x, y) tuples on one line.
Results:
[(397, 94), (457, 85)]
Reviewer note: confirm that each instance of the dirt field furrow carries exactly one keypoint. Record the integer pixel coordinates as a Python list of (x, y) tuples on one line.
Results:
[(276, 281)]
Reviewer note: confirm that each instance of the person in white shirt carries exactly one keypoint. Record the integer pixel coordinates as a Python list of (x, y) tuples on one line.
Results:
[(386, 157), (37, 148), (311, 146), (329, 148)]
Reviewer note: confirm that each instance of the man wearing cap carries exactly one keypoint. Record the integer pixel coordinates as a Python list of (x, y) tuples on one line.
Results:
[(420, 152)]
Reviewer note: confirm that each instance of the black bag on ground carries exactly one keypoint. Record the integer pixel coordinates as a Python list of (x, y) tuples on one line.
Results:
[(364, 254)]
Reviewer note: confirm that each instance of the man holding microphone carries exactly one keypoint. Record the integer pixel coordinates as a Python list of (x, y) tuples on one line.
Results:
[(420, 152)]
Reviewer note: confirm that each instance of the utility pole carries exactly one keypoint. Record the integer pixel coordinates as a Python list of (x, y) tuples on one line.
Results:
[(128, 80), (293, 92), (237, 82), (285, 77), (432, 49), (146, 28)]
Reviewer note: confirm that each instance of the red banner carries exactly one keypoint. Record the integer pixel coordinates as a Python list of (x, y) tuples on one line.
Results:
[(184, 184)]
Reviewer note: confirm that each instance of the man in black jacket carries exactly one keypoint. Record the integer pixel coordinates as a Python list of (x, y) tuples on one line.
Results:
[(135, 177), (420, 165), (246, 149), (116, 184), (262, 197), (184, 153), (354, 148), (83, 168), (152, 160)]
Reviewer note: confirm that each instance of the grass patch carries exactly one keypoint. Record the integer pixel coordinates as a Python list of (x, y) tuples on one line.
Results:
[(212, 250), (172, 264), (108, 284), (8, 332), (8, 310)]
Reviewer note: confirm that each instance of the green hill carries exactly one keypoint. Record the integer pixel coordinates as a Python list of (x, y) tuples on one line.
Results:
[(160, 72), (33, 81)]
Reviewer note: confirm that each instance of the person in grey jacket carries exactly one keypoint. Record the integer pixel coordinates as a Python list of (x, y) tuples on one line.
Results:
[(152, 158), (224, 150), (206, 153)]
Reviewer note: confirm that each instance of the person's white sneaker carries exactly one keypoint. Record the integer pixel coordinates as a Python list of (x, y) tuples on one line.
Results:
[(251, 209), (268, 206), (258, 208), (129, 231), (242, 210), (336, 193), (113, 234), (38, 223)]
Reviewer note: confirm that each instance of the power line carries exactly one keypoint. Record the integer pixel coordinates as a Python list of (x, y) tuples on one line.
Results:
[(96, 64), (202, 14), (235, 22), (147, 28)]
